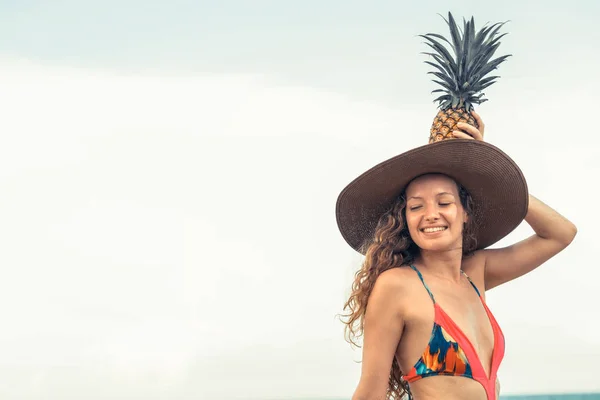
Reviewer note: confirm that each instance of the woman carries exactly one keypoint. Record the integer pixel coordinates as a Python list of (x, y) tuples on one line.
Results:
[(423, 220)]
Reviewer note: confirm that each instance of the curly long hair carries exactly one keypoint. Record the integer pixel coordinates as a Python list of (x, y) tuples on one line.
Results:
[(390, 247)]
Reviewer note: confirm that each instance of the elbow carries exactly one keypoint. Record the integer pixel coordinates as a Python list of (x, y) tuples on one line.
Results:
[(574, 232), (569, 234)]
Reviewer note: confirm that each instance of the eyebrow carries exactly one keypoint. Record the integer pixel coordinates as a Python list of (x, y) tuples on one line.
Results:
[(439, 194)]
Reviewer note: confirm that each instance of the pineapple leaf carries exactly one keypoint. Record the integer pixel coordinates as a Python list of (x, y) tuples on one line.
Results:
[(445, 78), (479, 39), (492, 65), (486, 80), (444, 85), (463, 75), (456, 32), (484, 54), (472, 30), (465, 50), (480, 36), (471, 53), (456, 40), (490, 48), (435, 35), (495, 40), (443, 18), (481, 87), (442, 62), (445, 97), (482, 61), (437, 46), (442, 70), (495, 31), (445, 56), (487, 50)]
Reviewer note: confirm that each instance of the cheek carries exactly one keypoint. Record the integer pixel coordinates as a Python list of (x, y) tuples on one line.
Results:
[(413, 223), (455, 220), (454, 216)]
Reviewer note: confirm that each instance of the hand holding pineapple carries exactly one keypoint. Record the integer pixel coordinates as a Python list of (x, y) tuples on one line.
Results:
[(467, 131)]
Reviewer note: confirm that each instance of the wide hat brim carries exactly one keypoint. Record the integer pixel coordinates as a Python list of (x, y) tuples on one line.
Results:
[(492, 178)]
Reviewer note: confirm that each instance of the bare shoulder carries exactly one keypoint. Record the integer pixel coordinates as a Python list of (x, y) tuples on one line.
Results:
[(396, 278), (394, 287)]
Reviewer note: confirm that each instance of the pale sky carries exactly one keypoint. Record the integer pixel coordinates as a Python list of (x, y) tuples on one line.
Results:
[(169, 172)]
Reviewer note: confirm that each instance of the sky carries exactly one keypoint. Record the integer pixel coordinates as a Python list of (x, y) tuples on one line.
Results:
[(169, 172)]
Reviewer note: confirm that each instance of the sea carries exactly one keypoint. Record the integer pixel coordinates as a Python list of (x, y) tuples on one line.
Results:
[(574, 396), (571, 396)]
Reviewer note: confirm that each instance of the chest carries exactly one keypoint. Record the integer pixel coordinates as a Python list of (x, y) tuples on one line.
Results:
[(461, 308), (467, 312)]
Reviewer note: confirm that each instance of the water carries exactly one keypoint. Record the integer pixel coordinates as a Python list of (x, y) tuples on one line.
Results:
[(574, 396)]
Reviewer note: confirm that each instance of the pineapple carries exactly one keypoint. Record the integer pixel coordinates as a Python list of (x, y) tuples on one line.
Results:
[(462, 77)]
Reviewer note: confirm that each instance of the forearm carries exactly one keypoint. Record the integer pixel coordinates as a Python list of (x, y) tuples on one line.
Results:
[(549, 224)]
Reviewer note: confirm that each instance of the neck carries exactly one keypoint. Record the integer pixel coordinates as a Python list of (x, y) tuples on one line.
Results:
[(446, 265)]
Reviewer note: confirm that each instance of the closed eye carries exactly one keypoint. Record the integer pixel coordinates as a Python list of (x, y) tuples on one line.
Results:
[(413, 208)]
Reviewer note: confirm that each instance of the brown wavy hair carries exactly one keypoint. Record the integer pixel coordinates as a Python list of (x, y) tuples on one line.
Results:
[(390, 247)]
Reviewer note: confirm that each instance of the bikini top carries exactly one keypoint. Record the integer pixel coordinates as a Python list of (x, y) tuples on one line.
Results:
[(449, 351)]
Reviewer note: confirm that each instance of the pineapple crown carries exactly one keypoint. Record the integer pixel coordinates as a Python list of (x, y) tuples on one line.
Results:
[(462, 77)]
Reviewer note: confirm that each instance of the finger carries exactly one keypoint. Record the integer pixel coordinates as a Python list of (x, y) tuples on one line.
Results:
[(462, 135), (479, 121), (471, 130)]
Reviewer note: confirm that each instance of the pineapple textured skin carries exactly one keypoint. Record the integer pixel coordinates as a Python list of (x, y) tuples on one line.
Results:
[(445, 122)]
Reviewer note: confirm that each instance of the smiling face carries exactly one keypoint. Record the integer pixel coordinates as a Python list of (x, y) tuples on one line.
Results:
[(434, 213)]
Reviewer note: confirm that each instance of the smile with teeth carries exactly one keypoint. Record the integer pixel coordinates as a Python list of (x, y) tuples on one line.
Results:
[(436, 229)]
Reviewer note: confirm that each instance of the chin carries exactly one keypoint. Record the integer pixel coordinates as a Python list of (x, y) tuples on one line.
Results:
[(436, 246)]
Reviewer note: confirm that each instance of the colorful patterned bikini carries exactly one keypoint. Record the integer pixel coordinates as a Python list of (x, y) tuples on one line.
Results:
[(450, 352)]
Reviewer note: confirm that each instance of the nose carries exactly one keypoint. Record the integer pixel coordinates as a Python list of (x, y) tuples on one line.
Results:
[(431, 213)]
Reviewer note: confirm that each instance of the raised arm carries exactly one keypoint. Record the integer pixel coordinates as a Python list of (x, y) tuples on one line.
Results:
[(382, 330), (553, 233)]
